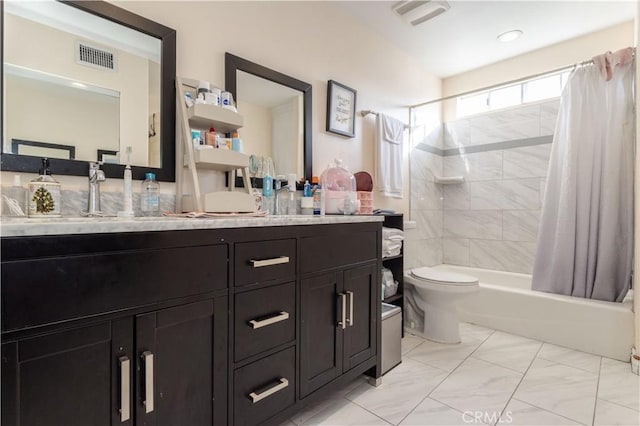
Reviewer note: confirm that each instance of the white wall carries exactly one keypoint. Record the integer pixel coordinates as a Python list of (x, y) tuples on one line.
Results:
[(311, 41), (558, 55)]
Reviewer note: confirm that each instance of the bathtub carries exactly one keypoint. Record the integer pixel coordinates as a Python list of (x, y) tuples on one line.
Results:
[(506, 302)]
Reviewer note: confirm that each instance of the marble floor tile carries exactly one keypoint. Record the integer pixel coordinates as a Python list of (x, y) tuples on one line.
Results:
[(507, 350), (563, 390), (618, 384), (570, 357), (409, 342), (610, 414), (478, 386), (430, 412), (522, 414), (401, 390), (326, 403), (444, 356), (345, 413), (470, 331)]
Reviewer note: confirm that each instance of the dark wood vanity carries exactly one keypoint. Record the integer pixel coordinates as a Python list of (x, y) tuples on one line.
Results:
[(221, 326)]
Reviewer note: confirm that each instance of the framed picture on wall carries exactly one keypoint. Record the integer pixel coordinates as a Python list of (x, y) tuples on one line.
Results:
[(341, 109)]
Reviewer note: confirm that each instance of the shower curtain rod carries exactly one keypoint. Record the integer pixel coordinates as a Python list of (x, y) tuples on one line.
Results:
[(366, 112), (507, 83)]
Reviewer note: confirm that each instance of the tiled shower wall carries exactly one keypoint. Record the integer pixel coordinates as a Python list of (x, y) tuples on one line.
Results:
[(491, 220)]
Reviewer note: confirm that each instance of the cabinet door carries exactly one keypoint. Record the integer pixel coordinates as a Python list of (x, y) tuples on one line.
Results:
[(66, 378), (175, 365), (321, 336), (360, 285)]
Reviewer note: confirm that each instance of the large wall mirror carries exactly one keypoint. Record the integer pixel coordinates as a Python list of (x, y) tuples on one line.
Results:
[(277, 114), (83, 80)]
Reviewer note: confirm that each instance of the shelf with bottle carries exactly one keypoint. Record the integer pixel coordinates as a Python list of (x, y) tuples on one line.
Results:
[(203, 116), (218, 159)]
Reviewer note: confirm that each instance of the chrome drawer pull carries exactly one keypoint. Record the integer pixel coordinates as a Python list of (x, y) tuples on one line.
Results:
[(350, 320), (125, 390), (269, 262), (147, 358), (255, 397), (343, 322), (262, 323)]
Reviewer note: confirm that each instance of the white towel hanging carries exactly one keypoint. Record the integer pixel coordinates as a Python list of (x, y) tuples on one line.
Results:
[(389, 138)]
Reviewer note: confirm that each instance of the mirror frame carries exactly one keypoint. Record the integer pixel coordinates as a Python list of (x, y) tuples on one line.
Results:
[(234, 63), (167, 36)]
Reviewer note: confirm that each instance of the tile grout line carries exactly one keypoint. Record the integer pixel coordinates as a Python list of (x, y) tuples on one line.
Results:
[(520, 382), (447, 376), (595, 401), (441, 381)]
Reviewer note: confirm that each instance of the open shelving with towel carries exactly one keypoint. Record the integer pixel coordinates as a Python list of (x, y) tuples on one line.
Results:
[(203, 117), (396, 264)]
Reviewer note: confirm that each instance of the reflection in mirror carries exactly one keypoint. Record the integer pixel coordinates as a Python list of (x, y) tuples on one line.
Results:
[(81, 74), (46, 107), (277, 115), (274, 124)]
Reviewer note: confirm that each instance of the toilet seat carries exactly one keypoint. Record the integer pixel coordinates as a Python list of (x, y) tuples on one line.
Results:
[(442, 277)]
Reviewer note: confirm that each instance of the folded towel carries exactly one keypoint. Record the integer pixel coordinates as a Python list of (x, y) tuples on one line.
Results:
[(389, 137), (391, 245), (391, 248), (392, 234)]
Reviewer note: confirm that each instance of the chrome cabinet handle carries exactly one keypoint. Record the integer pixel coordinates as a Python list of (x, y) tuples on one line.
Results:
[(255, 397), (282, 316), (125, 388), (269, 262), (343, 322), (350, 320), (147, 358)]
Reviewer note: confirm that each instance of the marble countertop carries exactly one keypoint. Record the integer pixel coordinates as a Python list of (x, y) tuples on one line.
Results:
[(20, 227)]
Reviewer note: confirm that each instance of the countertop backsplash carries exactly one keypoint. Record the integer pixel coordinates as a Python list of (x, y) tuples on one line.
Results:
[(73, 202)]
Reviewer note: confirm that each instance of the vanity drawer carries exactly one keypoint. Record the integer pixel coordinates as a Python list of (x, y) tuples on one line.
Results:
[(263, 261), (264, 319), (264, 388), (336, 250), (47, 290)]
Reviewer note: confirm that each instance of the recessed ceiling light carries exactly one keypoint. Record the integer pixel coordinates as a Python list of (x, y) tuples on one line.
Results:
[(77, 84), (509, 36)]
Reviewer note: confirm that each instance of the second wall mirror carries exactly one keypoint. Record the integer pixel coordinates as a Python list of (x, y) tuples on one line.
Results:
[(277, 114)]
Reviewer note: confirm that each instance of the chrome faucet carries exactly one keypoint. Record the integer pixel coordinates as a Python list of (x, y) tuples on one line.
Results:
[(279, 188), (95, 177)]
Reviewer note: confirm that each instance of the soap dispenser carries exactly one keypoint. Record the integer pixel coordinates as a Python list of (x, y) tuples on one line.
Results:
[(44, 194)]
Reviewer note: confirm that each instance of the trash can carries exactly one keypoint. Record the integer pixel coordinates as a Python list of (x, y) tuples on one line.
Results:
[(391, 336)]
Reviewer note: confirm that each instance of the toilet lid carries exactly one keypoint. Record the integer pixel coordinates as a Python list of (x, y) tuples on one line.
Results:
[(442, 276)]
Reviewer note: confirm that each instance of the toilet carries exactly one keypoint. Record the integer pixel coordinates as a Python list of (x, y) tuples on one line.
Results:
[(436, 292)]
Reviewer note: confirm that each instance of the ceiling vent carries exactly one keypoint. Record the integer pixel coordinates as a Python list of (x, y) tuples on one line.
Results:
[(95, 57), (416, 12)]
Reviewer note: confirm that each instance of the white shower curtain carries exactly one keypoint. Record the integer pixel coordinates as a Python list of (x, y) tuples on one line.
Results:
[(585, 239)]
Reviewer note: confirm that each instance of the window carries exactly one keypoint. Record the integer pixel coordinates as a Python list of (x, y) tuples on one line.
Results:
[(474, 104), (505, 97), (542, 88), (546, 87)]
